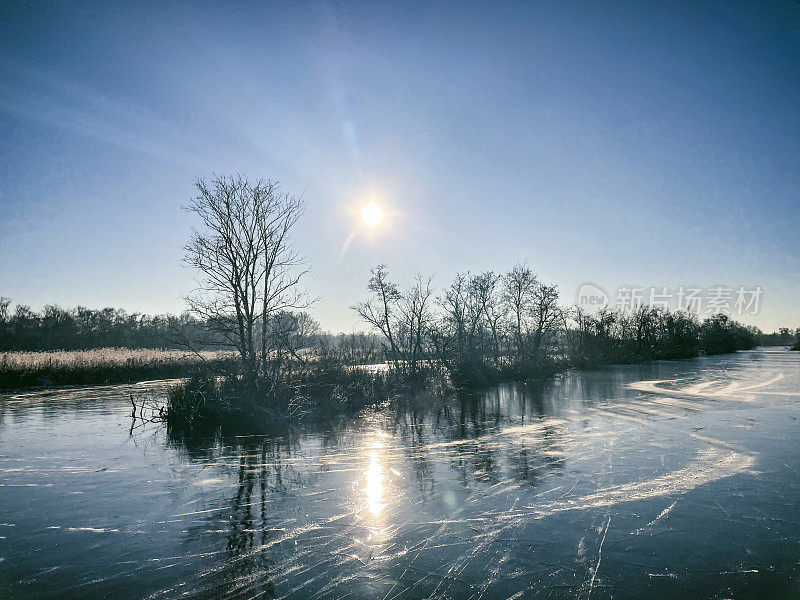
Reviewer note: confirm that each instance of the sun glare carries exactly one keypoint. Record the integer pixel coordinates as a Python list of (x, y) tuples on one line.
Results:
[(372, 214), (374, 488)]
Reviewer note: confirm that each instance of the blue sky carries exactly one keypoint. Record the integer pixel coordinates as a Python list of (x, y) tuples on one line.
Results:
[(648, 144)]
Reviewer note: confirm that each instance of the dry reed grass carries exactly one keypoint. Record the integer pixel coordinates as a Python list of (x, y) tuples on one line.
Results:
[(102, 365)]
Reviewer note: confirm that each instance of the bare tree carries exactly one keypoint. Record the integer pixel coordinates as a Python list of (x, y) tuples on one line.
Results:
[(402, 317), (546, 316), (455, 304), (381, 310), (463, 314), (249, 271), (519, 288), (487, 290), (415, 311)]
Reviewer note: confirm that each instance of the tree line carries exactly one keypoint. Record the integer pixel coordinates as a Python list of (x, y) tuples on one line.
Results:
[(783, 337), (81, 328), (488, 327)]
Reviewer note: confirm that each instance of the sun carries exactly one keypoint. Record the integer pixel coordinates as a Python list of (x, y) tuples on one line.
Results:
[(372, 214)]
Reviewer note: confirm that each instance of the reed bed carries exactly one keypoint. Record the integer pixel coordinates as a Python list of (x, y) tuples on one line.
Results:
[(103, 365)]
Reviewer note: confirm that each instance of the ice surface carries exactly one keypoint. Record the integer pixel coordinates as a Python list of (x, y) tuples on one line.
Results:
[(676, 479)]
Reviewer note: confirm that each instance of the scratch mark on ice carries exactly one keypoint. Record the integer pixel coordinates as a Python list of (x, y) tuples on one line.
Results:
[(599, 559)]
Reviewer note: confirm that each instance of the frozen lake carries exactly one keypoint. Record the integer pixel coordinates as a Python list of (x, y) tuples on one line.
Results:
[(668, 480)]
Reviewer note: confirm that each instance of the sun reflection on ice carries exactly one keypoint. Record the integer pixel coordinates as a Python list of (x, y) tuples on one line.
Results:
[(375, 480)]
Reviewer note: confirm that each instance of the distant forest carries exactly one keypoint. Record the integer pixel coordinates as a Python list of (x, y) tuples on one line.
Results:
[(80, 328), (783, 337)]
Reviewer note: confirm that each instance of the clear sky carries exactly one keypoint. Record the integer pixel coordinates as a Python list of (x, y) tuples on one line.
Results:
[(641, 143)]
